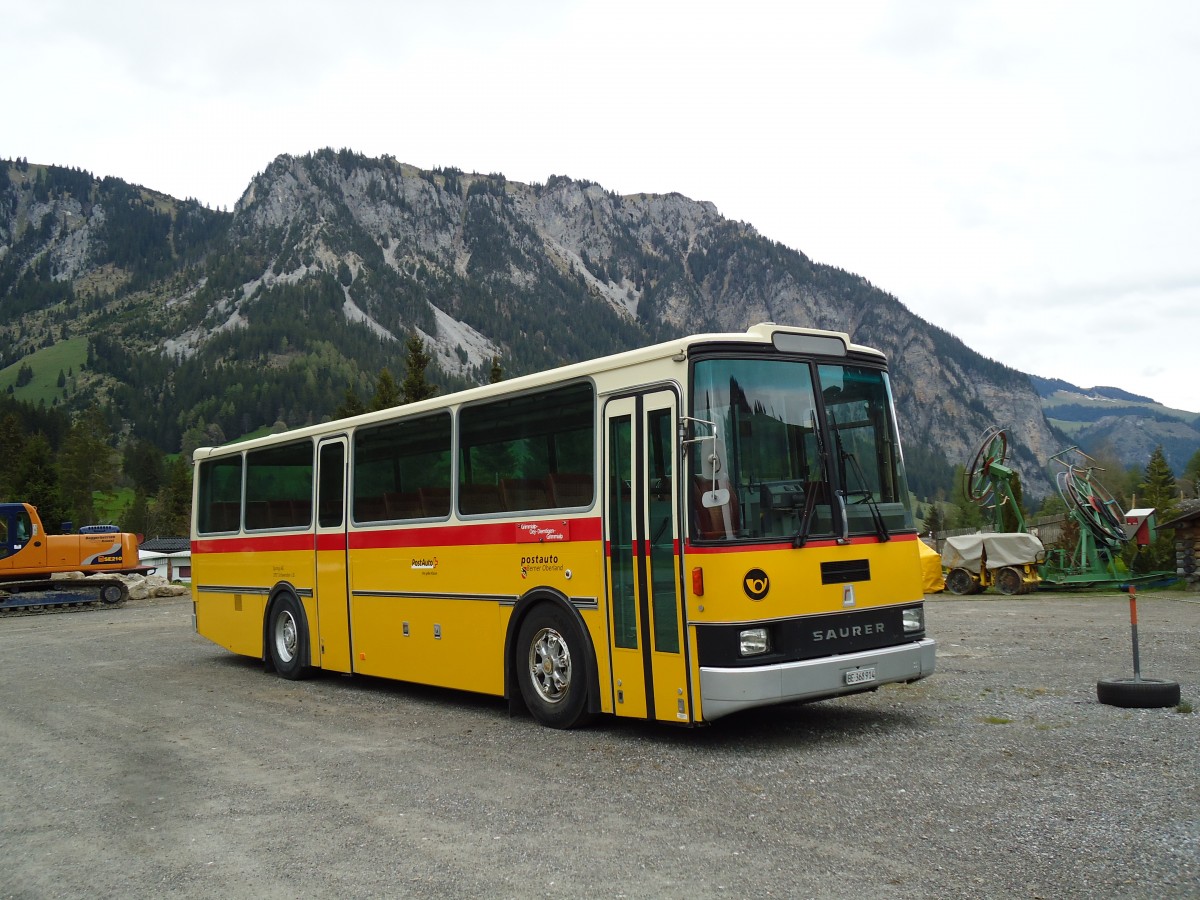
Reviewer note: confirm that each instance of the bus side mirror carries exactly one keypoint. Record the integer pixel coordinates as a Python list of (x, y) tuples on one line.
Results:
[(714, 498)]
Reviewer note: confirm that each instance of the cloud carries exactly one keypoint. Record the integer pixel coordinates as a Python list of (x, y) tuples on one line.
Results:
[(1022, 174)]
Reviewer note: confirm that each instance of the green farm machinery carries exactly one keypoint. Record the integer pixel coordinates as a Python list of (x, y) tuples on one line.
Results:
[(1094, 532), (1098, 529), (988, 482)]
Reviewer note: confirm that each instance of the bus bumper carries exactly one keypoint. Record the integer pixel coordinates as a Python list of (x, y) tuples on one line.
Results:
[(725, 691)]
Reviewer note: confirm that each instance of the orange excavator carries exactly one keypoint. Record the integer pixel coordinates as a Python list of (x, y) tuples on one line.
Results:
[(29, 557)]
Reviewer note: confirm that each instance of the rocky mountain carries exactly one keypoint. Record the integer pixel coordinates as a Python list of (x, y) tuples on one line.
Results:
[(1127, 425), (183, 319)]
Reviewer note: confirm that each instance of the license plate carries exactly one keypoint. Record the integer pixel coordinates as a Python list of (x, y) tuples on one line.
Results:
[(860, 676)]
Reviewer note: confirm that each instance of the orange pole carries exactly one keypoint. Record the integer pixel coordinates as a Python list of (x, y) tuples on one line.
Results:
[(1137, 665)]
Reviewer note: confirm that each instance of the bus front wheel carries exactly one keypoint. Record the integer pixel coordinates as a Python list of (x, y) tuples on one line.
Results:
[(551, 669), (287, 638)]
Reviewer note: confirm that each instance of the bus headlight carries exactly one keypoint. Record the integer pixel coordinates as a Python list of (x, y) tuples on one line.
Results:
[(914, 619), (754, 641)]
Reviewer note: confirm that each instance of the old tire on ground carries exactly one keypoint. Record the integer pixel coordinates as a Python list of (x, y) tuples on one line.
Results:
[(1010, 581), (551, 670), (1148, 693), (960, 581), (114, 593), (287, 638)]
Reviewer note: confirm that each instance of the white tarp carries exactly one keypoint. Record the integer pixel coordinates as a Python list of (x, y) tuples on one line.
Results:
[(970, 551)]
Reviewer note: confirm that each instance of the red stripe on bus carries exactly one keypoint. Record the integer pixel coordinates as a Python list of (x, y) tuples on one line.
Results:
[(469, 535), (379, 538), (334, 541), (466, 535), (267, 543)]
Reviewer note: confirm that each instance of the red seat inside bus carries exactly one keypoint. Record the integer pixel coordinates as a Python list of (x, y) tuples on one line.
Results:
[(570, 488), (525, 493)]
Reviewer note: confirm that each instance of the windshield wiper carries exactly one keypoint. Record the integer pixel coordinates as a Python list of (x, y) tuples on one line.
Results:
[(876, 516), (810, 493), (810, 505)]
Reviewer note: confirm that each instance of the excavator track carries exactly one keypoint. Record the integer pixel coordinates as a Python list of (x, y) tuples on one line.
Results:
[(33, 598)]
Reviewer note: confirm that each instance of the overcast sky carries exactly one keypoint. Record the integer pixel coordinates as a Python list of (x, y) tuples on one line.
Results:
[(1025, 175)]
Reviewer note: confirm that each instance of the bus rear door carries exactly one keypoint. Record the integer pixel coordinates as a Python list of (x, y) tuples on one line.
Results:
[(333, 608)]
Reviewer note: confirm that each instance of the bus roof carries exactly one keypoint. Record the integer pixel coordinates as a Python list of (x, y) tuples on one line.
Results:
[(762, 333)]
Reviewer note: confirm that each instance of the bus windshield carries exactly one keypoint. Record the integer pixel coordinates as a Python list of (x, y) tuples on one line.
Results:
[(785, 450)]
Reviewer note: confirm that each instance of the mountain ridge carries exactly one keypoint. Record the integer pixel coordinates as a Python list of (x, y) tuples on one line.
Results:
[(1047, 387), (198, 318)]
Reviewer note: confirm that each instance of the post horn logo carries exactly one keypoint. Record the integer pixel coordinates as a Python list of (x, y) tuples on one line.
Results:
[(756, 584)]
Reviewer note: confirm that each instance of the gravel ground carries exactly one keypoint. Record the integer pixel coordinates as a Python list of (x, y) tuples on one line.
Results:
[(141, 760)]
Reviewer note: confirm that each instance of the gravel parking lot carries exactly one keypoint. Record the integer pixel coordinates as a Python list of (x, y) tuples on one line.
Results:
[(141, 760)]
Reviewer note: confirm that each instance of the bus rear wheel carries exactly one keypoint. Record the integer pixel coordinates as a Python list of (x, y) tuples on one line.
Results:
[(550, 668), (287, 638)]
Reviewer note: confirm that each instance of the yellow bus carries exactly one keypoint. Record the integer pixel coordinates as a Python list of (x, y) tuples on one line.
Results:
[(673, 533)]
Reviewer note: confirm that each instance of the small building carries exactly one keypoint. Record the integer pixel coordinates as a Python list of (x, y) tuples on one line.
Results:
[(170, 556), (1186, 523)]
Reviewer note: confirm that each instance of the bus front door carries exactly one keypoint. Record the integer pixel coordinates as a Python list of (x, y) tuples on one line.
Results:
[(647, 649), (333, 607)]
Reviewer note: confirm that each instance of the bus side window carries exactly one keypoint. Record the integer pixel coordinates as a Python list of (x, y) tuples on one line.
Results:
[(402, 470), (220, 497), (538, 449), (279, 486)]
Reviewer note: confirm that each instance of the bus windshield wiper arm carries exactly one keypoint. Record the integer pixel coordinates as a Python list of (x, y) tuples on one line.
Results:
[(810, 507), (810, 497), (876, 516)]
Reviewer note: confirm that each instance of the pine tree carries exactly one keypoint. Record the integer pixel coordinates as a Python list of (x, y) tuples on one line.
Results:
[(1192, 473), (415, 386), (497, 373), (137, 517), (934, 522), (13, 440), (35, 481), (351, 405), (143, 465), (85, 465), (175, 499), (1158, 488), (387, 394)]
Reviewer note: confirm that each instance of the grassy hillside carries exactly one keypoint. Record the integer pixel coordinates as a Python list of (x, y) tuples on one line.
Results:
[(64, 356), (1111, 420)]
